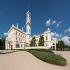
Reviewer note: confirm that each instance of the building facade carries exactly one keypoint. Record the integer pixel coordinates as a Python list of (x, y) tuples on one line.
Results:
[(48, 41), (18, 39)]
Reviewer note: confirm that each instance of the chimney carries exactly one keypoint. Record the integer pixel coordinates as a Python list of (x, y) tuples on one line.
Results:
[(22, 29), (17, 25), (12, 25)]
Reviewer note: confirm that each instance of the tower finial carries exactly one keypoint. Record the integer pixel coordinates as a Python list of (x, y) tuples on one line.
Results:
[(12, 25), (48, 29), (22, 29), (17, 25)]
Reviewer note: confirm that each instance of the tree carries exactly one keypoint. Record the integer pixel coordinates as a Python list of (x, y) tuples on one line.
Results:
[(61, 45), (69, 48), (2, 43), (33, 42), (41, 41)]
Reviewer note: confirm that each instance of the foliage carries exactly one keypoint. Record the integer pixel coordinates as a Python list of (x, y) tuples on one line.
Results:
[(41, 41), (61, 46), (33, 42), (2, 43), (49, 56)]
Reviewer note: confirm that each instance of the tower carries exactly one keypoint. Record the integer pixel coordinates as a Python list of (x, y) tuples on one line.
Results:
[(28, 27), (49, 35), (28, 22)]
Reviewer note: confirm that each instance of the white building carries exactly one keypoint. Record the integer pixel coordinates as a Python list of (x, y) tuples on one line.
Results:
[(48, 42), (18, 39)]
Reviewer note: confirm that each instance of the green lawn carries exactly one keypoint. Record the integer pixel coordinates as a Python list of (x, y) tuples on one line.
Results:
[(48, 56)]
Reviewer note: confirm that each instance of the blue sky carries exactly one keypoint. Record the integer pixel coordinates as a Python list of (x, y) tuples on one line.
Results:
[(13, 12)]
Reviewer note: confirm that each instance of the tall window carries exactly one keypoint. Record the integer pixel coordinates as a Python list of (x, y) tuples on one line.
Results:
[(21, 45), (19, 39), (19, 34), (46, 37), (16, 38), (16, 32)]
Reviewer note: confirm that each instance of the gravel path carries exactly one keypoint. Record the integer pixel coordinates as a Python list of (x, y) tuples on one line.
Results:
[(23, 60)]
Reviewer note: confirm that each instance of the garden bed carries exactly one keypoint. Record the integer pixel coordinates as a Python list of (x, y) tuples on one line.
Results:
[(48, 56)]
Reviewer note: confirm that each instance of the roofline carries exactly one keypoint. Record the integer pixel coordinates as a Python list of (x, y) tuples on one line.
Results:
[(15, 28)]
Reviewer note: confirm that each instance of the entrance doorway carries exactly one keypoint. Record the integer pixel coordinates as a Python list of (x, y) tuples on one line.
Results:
[(11, 47)]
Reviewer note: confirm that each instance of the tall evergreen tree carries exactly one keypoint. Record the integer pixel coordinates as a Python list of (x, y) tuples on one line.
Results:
[(61, 45), (2, 44), (33, 42), (41, 41)]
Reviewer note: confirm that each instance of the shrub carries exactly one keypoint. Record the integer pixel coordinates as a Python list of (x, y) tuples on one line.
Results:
[(48, 56)]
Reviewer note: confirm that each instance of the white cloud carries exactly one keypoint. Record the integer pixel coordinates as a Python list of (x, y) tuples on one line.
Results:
[(67, 30), (54, 34), (66, 40), (57, 35), (54, 22), (0, 38), (5, 34), (58, 25), (55, 39), (48, 22)]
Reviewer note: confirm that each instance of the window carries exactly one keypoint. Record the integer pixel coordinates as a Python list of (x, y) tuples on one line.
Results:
[(19, 39), (21, 45), (53, 47), (16, 38), (53, 43), (17, 45), (19, 34), (16, 32), (46, 37)]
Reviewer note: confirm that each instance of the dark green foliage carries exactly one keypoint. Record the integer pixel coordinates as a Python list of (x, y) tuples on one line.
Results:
[(61, 46), (33, 42), (2, 44), (69, 48), (49, 56), (41, 41)]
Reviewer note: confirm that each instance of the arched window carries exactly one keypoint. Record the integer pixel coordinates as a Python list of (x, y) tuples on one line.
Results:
[(53, 44), (53, 47)]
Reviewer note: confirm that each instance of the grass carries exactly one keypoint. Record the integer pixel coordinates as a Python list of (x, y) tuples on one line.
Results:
[(48, 56)]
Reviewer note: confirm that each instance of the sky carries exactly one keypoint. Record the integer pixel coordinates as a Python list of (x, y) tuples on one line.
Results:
[(54, 14)]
